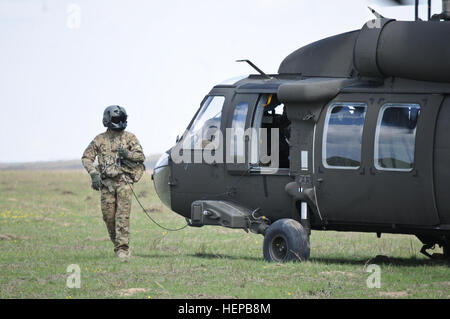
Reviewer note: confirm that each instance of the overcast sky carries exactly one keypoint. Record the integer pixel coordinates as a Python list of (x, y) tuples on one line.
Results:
[(62, 62)]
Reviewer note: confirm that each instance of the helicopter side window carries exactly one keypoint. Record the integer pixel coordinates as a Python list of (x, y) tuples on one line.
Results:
[(269, 114), (395, 137), (206, 127), (342, 138)]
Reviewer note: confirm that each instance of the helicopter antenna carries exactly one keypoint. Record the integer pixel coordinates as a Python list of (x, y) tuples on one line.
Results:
[(255, 67), (375, 13)]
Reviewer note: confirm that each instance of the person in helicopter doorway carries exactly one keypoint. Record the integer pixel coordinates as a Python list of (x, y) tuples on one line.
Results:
[(120, 164)]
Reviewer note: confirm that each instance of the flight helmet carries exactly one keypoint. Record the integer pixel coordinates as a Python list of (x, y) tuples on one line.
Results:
[(115, 118)]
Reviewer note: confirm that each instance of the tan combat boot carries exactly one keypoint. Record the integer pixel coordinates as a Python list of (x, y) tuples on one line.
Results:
[(123, 255)]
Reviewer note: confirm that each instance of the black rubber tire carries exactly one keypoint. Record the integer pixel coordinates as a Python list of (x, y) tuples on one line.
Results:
[(286, 240)]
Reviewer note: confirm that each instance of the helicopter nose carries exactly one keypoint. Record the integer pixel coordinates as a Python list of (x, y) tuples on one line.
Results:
[(160, 178)]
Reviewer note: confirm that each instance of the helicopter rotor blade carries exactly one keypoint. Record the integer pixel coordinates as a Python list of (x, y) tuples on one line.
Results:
[(399, 2), (396, 2), (414, 3)]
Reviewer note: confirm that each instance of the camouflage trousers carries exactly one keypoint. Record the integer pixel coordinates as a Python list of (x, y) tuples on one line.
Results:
[(116, 208)]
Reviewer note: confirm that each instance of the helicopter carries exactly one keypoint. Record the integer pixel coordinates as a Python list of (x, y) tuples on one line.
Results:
[(351, 134)]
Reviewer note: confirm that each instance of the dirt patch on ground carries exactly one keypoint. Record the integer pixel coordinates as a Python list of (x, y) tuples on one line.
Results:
[(131, 291), (53, 220), (67, 193), (97, 238), (12, 237), (336, 272), (52, 278), (394, 294)]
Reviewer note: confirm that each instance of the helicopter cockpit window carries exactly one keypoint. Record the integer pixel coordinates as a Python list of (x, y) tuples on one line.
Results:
[(395, 137), (342, 136), (270, 114), (206, 127)]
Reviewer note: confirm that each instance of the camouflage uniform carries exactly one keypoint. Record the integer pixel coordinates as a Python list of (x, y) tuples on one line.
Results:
[(115, 193)]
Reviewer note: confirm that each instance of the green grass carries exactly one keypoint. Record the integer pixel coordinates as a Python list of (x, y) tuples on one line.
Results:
[(51, 219)]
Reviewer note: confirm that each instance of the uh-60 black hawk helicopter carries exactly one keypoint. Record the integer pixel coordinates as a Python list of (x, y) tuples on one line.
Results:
[(364, 142)]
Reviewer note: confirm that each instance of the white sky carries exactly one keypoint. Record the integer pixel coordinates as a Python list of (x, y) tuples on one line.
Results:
[(158, 59)]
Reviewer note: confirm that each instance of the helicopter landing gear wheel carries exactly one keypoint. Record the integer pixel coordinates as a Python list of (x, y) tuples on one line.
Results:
[(286, 240)]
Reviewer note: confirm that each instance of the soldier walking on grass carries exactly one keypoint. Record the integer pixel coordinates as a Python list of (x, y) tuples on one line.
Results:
[(120, 164)]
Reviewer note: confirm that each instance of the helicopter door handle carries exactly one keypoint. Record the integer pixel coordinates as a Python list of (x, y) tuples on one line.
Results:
[(320, 180)]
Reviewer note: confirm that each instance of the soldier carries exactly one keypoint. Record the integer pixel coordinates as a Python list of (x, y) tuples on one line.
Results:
[(120, 164)]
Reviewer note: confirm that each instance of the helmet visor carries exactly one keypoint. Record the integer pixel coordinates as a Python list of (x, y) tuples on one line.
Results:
[(118, 119)]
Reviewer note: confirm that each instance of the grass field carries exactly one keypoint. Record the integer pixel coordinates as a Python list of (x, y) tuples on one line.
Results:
[(51, 219)]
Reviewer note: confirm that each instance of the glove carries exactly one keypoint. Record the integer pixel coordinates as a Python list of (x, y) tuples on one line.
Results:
[(123, 153), (96, 181)]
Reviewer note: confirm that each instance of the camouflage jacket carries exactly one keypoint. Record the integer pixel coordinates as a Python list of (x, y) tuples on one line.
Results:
[(105, 147)]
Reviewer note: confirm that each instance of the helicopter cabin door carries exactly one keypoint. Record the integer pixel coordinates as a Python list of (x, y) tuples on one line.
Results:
[(373, 159), (256, 180), (236, 138)]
